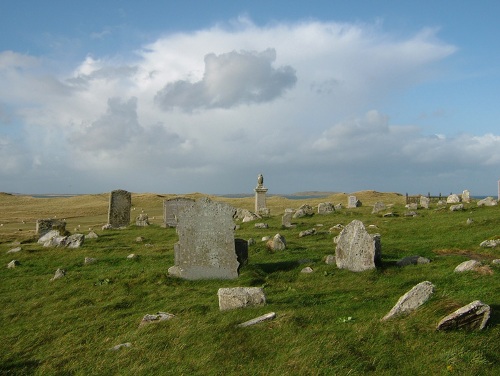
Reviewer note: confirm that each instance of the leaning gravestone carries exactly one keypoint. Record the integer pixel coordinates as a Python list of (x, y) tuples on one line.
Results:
[(171, 207), (413, 299), (206, 248), (473, 316), (120, 202), (356, 249)]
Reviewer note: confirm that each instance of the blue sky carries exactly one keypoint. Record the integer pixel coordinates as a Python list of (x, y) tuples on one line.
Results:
[(177, 97)]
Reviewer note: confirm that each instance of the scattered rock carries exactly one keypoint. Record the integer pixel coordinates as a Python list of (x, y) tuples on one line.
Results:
[(307, 270), (496, 262), (265, 238), (488, 201), (453, 199), (139, 239), (390, 214), (469, 221), (473, 316), (277, 243), (132, 256), (60, 273), (142, 220), (257, 320), (490, 243), (458, 207), (240, 297), (91, 235), (251, 242), (330, 259), (325, 208), (89, 260), (309, 232), (107, 226), (160, 316), (467, 266), (74, 241), (413, 299), (411, 214), (13, 264), (378, 206), (14, 250), (412, 260), (120, 346), (261, 225)]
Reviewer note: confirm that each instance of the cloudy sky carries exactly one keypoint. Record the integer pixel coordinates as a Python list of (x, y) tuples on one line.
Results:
[(202, 96)]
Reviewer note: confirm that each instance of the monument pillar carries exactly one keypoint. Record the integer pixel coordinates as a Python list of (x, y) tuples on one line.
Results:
[(260, 195)]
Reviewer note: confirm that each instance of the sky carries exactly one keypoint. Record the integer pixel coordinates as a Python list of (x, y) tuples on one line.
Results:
[(202, 96)]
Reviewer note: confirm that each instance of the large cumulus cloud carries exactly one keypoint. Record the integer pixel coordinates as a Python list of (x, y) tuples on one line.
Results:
[(230, 79)]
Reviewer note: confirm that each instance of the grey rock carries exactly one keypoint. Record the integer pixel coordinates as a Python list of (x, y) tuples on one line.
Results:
[(60, 273), (132, 256), (330, 259), (251, 242), (309, 232), (413, 299), (121, 346), (89, 260), (307, 270), (488, 201), (378, 207), (91, 235), (458, 207), (261, 225), (257, 320), (74, 241), (142, 220), (158, 317), (13, 264), (467, 266), (496, 262), (473, 316), (492, 243), (14, 250), (453, 199), (240, 297), (325, 208), (277, 243), (424, 202)]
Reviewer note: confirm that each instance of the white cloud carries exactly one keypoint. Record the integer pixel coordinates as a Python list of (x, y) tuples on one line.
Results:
[(208, 110)]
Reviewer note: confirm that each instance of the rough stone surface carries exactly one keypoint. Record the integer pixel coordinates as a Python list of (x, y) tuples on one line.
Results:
[(353, 202), (257, 320), (466, 196), (158, 317), (120, 202), (413, 299), (307, 270), (356, 249), (240, 297), (286, 220), (60, 273), (14, 250), (488, 201), (378, 206), (74, 241), (91, 235), (453, 199), (492, 243), (467, 266), (330, 259), (206, 248), (249, 216), (473, 316), (132, 256), (458, 207), (171, 207), (142, 220), (251, 242), (121, 346), (277, 243), (13, 264), (309, 232), (425, 202), (261, 225), (53, 239), (325, 208), (89, 260), (43, 226), (413, 260), (412, 206)]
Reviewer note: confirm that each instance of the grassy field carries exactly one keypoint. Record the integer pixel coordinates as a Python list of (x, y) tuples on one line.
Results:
[(328, 322)]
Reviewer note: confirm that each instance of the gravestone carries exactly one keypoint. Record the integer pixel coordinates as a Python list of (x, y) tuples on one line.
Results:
[(325, 208), (353, 202), (260, 195), (44, 226), (286, 220), (466, 196), (413, 299), (240, 297), (356, 249), (120, 202), (424, 202), (171, 207), (206, 248), (473, 316), (378, 206)]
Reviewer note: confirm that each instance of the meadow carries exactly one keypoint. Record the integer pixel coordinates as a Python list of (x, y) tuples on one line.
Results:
[(327, 322)]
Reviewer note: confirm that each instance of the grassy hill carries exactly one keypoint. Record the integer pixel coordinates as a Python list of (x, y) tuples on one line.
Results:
[(328, 322)]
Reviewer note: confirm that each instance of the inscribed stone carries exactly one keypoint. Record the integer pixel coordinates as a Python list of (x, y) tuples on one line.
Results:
[(120, 202)]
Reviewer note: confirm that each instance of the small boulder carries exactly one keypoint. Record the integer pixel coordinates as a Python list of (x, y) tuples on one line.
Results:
[(240, 297), (307, 270), (60, 273), (158, 317), (91, 235), (453, 199), (458, 207), (89, 260), (261, 225), (488, 201), (13, 264), (309, 232), (467, 266), (413, 299), (277, 243), (473, 316)]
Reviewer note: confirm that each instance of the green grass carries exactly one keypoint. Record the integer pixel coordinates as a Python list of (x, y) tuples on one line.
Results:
[(328, 322)]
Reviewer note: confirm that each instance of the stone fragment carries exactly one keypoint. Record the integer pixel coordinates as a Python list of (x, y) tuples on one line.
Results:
[(158, 317), (378, 206), (172, 207), (491, 243), (413, 260), (458, 207), (412, 206), (325, 208), (466, 196), (496, 262), (265, 238), (390, 214), (120, 203), (249, 217), (121, 346), (240, 297), (91, 235), (261, 225), (330, 259), (413, 299), (132, 256), (43, 226), (206, 248), (309, 232), (89, 260), (467, 266), (257, 320), (286, 220), (139, 239), (307, 270), (60, 273), (251, 242), (15, 250), (13, 264), (453, 199), (356, 249), (107, 226), (488, 201), (469, 221), (142, 220), (473, 316), (277, 243), (411, 214), (74, 241), (425, 202)]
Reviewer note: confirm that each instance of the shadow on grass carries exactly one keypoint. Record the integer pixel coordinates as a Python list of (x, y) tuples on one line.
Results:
[(495, 315), (282, 266), (19, 367)]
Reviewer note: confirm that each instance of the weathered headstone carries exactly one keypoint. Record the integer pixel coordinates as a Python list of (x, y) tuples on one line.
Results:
[(43, 226), (206, 248), (171, 207), (473, 316), (424, 202), (260, 195), (466, 196), (142, 220), (325, 208), (286, 220), (240, 297), (120, 202), (378, 206), (353, 202), (356, 249), (413, 299)]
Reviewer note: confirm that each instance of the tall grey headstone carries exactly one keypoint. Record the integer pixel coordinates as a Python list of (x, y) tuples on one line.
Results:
[(206, 247), (466, 196), (424, 202), (260, 195), (172, 207), (356, 249), (120, 202)]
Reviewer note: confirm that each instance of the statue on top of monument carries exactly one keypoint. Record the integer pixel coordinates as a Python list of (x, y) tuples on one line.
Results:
[(260, 180)]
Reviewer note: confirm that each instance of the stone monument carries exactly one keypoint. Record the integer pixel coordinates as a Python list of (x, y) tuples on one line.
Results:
[(171, 207), (120, 202), (206, 246), (260, 195)]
